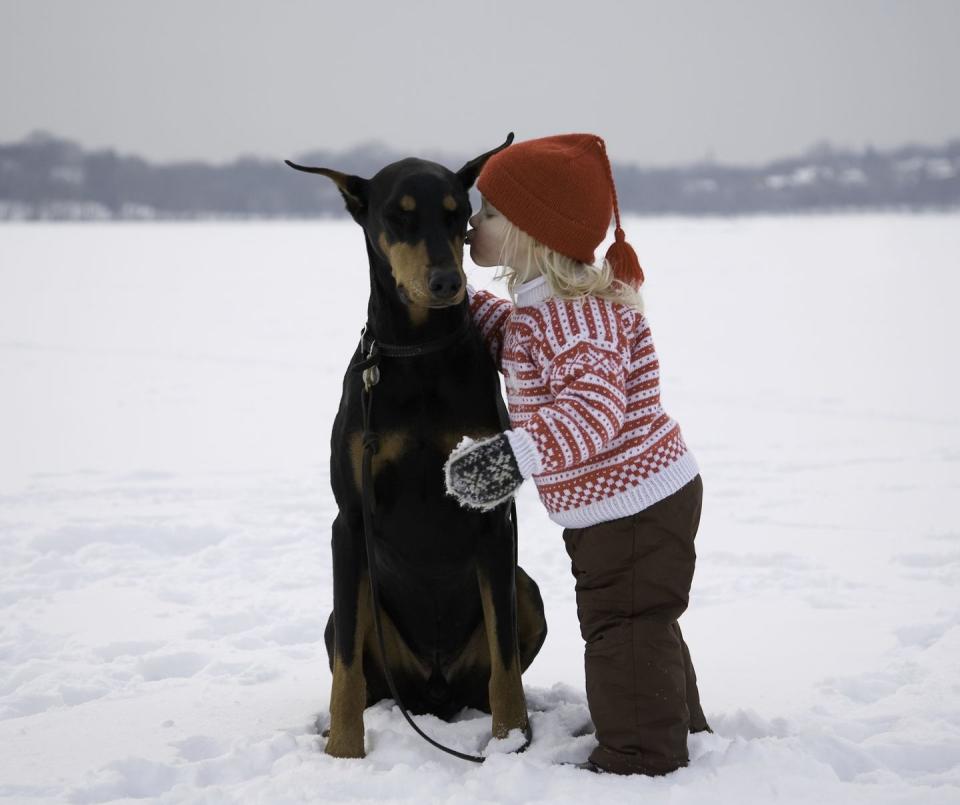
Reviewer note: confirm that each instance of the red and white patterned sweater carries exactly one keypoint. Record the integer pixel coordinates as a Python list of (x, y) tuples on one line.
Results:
[(583, 390)]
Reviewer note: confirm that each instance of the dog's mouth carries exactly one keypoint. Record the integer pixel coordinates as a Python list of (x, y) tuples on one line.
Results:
[(419, 300)]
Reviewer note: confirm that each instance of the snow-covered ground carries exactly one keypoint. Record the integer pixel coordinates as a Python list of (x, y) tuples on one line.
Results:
[(166, 397)]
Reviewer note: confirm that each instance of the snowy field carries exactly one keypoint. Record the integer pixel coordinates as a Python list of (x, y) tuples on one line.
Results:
[(166, 398)]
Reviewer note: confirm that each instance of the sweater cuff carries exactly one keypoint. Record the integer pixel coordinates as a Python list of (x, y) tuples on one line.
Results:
[(525, 451)]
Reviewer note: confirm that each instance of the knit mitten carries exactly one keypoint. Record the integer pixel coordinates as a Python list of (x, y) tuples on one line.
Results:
[(482, 475)]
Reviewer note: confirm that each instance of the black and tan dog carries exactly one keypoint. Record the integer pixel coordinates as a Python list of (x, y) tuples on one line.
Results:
[(449, 588)]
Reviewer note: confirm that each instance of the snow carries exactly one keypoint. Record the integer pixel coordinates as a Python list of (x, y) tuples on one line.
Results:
[(167, 397)]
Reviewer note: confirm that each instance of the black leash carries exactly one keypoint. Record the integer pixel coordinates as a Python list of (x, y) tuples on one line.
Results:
[(370, 367)]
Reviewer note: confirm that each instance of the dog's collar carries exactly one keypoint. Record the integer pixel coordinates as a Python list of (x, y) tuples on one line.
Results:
[(367, 340)]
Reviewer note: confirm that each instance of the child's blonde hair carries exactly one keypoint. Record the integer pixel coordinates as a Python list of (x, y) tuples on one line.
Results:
[(567, 278)]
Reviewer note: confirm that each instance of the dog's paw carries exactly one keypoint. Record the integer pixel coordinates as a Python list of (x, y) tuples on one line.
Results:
[(344, 748), (513, 740)]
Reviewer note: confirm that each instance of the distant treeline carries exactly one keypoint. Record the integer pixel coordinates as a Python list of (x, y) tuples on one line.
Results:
[(45, 177)]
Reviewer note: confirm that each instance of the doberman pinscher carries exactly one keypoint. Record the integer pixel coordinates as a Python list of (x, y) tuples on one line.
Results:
[(460, 620)]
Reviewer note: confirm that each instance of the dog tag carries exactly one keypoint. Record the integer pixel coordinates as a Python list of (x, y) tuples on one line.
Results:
[(371, 376)]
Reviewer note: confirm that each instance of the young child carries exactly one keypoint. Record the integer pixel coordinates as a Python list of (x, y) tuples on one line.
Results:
[(610, 465)]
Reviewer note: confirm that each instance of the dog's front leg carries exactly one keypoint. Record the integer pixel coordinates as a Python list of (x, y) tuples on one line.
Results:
[(351, 616), (508, 705)]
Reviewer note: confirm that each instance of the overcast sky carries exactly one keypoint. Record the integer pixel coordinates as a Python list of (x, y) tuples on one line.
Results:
[(665, 82)]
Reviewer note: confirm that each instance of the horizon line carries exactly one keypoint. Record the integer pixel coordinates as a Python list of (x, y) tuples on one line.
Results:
[(820, 147)]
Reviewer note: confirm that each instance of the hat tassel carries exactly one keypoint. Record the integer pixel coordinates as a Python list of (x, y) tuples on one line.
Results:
[(621, 256), (624, 261)]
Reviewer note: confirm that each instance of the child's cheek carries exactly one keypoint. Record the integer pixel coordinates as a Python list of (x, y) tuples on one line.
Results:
[(476, 248)]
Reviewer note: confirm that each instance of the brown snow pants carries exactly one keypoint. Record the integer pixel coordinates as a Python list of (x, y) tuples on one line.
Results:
[(633, 582)]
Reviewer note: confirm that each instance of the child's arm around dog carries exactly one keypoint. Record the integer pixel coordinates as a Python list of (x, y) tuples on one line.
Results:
[(489, 314), (575, 384)]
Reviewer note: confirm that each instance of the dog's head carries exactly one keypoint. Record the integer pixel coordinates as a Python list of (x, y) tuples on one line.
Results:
[(415, 215)]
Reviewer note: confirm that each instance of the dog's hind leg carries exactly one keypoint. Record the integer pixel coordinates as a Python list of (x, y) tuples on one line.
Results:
[(410, 673), (531, 622), (351, 618), (507, 703)]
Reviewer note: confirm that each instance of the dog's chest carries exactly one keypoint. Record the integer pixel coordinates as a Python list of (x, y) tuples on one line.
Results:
[(418, 423)]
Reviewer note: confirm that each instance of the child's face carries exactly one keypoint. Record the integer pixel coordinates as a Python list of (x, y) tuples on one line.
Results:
[(487, 235)]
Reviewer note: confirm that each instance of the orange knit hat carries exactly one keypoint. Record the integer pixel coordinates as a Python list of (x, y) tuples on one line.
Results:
[(560, 191)]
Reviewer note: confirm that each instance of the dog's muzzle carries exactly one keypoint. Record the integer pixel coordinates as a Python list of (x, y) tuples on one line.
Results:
[(444, 284)]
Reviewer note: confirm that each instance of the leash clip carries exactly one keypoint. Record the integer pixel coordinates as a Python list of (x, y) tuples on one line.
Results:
[(371, 375)]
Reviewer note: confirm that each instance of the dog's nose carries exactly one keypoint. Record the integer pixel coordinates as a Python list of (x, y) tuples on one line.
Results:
[(444, 282)]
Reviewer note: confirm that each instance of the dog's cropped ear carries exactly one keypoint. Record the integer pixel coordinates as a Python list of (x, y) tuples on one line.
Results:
[(352, 188), (468, 173)]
